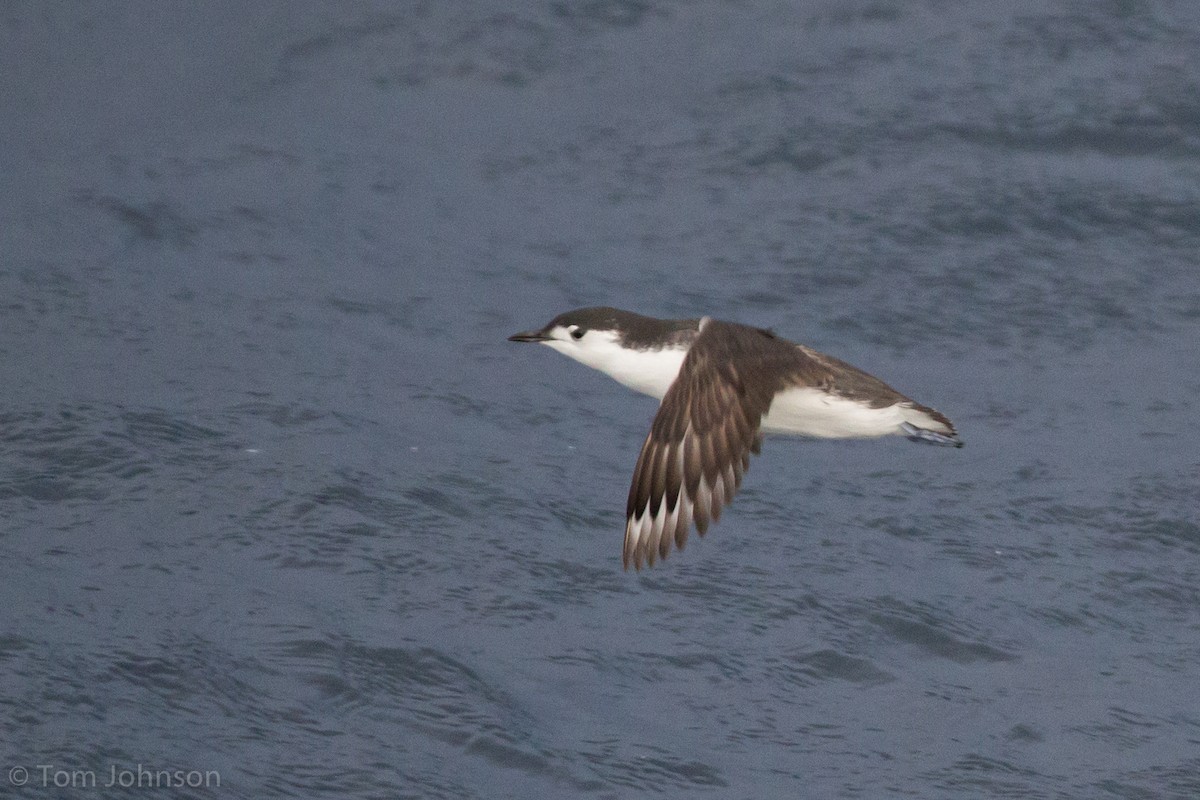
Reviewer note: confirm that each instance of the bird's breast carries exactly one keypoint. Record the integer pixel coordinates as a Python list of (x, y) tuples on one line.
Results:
[(647, 371)]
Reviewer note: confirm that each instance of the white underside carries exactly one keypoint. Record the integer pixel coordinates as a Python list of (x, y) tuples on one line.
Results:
[(812, 412), (801, 411)]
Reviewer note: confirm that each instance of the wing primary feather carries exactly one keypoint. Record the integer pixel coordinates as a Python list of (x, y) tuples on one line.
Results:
[(658, 475), (703, 503), (684, 521), (718, 497), (660, 529), (673, 479)]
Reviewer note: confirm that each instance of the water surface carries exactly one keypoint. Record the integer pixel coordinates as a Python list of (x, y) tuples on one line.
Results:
[(279, 501)]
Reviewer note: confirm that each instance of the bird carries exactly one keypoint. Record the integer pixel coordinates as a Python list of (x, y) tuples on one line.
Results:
[(722, 386)]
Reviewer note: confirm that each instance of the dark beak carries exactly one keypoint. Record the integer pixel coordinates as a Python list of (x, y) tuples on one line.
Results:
[(529, 336)]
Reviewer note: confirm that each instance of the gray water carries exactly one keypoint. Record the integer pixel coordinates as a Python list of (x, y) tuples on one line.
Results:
[(285, 513)]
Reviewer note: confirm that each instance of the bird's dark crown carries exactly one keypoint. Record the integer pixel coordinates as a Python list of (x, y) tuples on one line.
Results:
[(635, 330)]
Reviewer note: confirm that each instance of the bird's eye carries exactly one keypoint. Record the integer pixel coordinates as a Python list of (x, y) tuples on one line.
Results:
[(577, 332)]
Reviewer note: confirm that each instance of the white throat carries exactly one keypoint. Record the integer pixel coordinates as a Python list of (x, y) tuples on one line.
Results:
[(647, 371)]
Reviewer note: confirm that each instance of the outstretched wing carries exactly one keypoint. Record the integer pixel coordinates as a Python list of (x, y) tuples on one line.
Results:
[(699, 445)]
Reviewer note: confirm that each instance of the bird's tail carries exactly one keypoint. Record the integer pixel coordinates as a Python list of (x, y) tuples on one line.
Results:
[(927, 436), (928, 425)]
